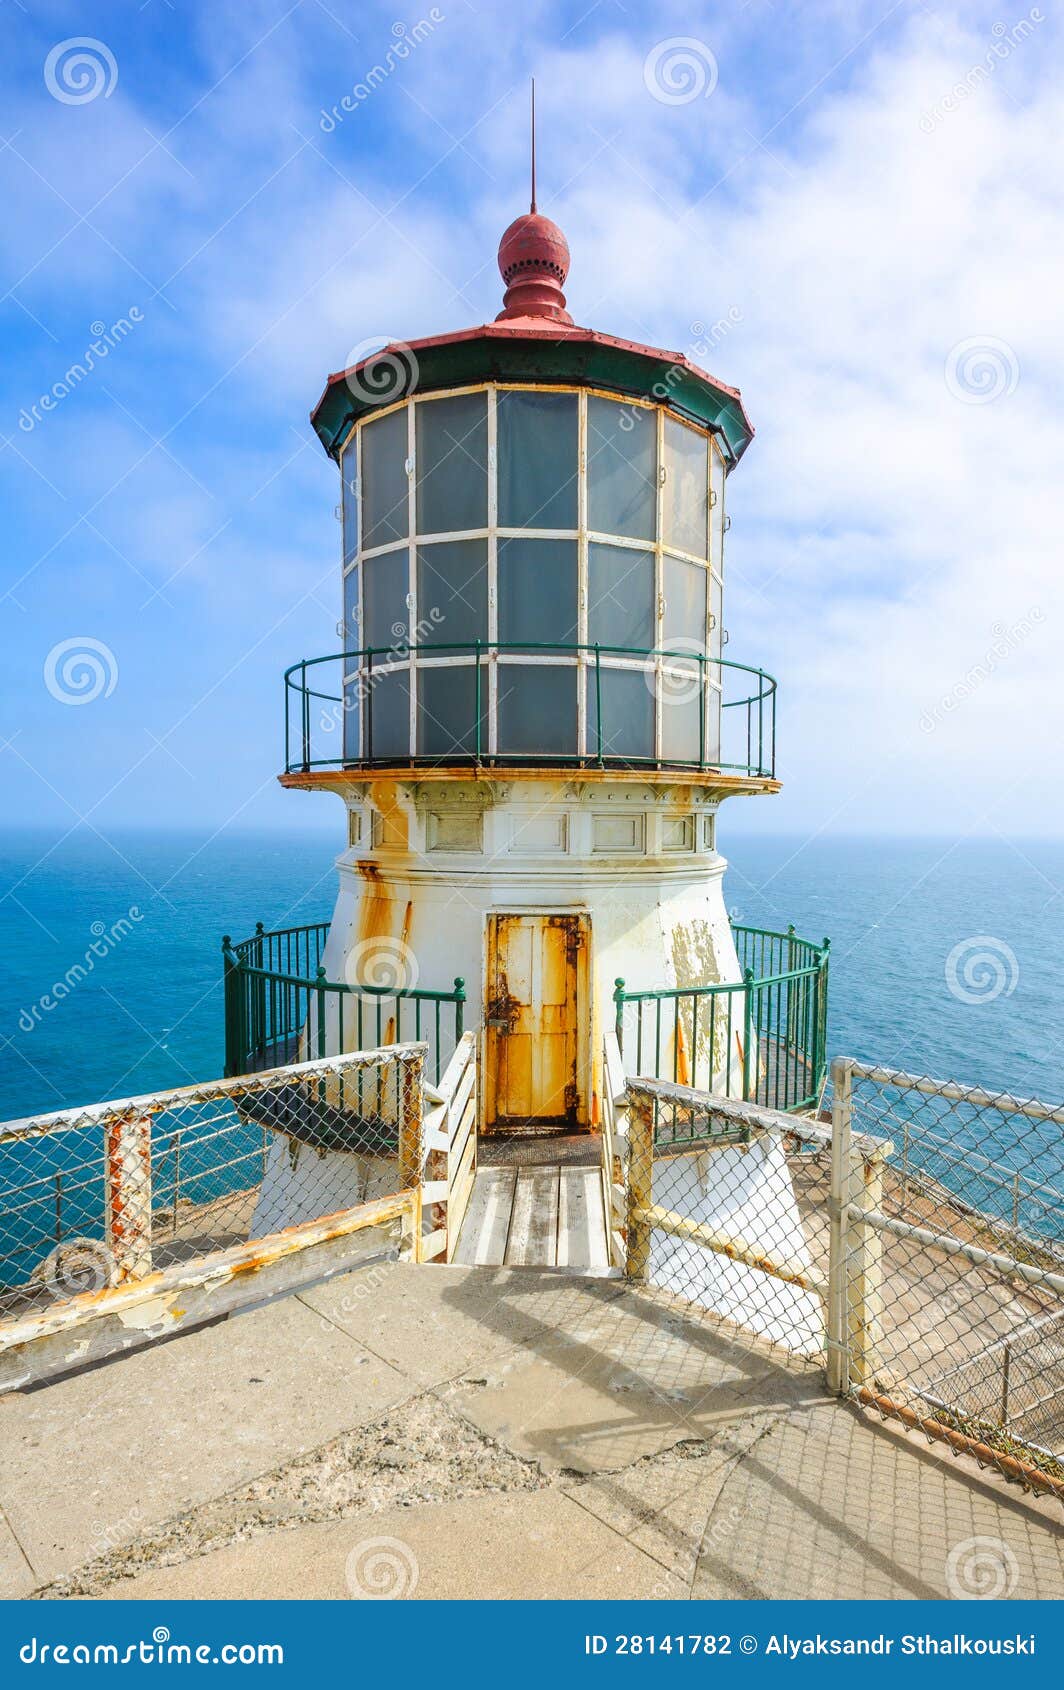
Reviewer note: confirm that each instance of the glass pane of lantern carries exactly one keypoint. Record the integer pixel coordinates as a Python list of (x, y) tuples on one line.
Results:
[(627, 713), (352, 692), (384, 480), (716, 600), (349, 499), (685, 499), (620, 598), (716, 515), (386, 704), (537, 460), (621, 468), (385, 617), (681, 707), (452, 464), (351, 639), (537, 592), (537, 710), (684, 590), (447, 707), (452, 592)]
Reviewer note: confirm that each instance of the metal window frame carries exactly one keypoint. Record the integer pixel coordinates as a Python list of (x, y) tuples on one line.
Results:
[(583, 536)]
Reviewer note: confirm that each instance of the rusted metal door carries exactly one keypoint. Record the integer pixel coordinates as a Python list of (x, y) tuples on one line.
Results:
[(536, 993)]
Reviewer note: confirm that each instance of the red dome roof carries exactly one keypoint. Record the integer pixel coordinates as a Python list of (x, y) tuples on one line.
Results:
[(534, 262)]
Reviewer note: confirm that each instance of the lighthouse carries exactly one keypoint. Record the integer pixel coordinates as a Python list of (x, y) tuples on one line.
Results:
[(532, 725)]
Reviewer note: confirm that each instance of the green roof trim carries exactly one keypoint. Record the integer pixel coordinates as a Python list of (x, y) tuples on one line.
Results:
[(578, 360)]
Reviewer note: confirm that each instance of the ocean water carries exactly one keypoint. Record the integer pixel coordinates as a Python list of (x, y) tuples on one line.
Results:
[(946, 957)]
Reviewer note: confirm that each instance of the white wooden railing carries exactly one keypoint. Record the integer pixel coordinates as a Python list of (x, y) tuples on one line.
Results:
[(449, 1142)]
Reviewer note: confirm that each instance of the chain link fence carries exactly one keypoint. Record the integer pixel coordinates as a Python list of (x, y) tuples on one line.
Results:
[(99, 1197), (727, 1208), (954, 1263), (915, 1247)]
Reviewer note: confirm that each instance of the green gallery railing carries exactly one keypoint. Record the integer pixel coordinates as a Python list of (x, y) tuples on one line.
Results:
[(762, 1038), (319, 719), (281, 1007)]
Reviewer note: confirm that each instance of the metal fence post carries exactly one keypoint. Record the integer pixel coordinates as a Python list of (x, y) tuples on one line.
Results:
[(864, 1292), (411, 1111), (127, 1196), (640, 1180), (837, 1335)]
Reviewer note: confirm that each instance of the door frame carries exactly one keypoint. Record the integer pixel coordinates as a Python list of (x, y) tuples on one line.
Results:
[(582, 1013)]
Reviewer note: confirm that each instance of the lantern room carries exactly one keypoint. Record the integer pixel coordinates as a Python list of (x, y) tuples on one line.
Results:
[(532, 573)]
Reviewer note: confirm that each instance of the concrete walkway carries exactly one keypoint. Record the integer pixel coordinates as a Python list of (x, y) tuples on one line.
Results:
[(450, 1432)]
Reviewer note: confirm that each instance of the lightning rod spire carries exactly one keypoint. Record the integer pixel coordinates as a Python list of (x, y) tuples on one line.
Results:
[(533, 205)]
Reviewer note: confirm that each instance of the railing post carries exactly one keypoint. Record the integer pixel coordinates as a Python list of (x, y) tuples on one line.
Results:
[(411, 1111), (306, 719), (751, 1059), (459, 1007), (791, 1044), (258, 993), (838, 1325), (618, 999), (772, 719), (821, 1064), (640, 1181), (127, 1196), (598, 704), (229, 998), (321, 1000)]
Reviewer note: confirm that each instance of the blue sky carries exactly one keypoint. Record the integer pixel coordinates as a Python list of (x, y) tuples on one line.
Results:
[(866, 198)]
